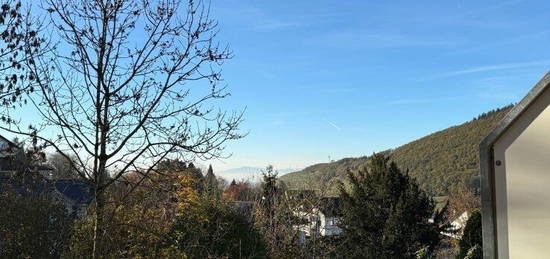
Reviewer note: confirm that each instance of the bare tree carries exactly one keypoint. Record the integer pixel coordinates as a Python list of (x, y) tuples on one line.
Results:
[(18, 40), (125, 85), (462, 199)]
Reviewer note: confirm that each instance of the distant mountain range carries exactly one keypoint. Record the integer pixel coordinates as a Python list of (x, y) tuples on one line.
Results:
[(437, 161), (252, 174)]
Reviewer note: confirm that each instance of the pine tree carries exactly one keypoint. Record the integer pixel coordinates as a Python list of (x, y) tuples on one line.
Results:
[(210, 183), (386, 214)]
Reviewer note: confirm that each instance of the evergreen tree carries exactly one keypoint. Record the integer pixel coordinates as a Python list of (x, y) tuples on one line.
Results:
[(173, 165), (386, 215), (194, 171), (472, 236), (210, 183), (274, 219), (475, 252)]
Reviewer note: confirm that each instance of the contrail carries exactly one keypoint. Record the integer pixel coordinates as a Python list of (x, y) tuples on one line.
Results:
[(505, 66), (334, 125)]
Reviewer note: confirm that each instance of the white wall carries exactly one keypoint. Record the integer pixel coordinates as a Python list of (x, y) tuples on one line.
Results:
[(522, 185), (329, 226)]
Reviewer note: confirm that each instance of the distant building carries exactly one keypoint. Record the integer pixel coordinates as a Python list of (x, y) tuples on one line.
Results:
[(9, 152), (75, 195), (457, 226), (320, 219)]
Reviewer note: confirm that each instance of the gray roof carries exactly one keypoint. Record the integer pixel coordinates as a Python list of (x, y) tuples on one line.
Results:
[(10, 149), (8, 141), (76, 190)]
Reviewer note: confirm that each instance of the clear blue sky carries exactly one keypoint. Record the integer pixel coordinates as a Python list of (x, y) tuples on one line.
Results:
[(339, 79), (348, 78)]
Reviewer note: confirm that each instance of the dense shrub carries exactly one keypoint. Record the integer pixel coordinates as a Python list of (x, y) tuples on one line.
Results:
[(472, 237)]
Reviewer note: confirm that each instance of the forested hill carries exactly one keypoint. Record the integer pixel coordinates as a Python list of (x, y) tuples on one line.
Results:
[(437, 161)]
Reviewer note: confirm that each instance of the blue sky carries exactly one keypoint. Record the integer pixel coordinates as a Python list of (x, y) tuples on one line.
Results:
[(348, 78), (337, 79)]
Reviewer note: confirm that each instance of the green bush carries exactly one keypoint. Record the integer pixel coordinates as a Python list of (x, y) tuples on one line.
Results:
[(472, 237), (213, 230), (32, 227)]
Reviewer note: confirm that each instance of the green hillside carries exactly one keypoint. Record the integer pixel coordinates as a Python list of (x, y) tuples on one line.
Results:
[(437, 161)]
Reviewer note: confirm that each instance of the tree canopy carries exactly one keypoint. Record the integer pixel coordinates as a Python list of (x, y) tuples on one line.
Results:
[(385, 214)]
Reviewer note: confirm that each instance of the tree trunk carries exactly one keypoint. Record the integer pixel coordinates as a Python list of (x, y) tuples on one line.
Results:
[(99, 221), (99, 227)]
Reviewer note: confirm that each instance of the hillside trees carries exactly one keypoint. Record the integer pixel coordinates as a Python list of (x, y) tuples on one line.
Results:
[(437, 162), (385, 214), (125, 85)]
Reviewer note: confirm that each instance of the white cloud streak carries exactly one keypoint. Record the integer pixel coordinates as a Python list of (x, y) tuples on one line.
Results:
[(488, 68), (334, 126)]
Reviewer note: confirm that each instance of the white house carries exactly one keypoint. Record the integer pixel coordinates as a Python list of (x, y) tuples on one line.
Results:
[(321, 219), (457, 226)]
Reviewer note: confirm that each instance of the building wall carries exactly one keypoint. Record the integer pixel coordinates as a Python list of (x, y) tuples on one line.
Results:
[(522, 184), (329, 226), (319, 224)]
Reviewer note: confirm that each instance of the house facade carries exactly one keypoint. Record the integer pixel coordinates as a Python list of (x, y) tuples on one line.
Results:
[(329, 225), (321, 219), (457, 226), (9, 152)]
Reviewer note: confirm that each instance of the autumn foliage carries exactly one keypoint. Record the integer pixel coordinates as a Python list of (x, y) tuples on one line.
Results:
[(237, 191)]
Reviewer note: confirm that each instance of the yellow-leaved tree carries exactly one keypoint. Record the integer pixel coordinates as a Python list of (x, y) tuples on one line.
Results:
[(140, 221)]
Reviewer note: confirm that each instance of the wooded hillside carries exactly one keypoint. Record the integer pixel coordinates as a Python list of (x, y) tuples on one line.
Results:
[(437, 161)]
